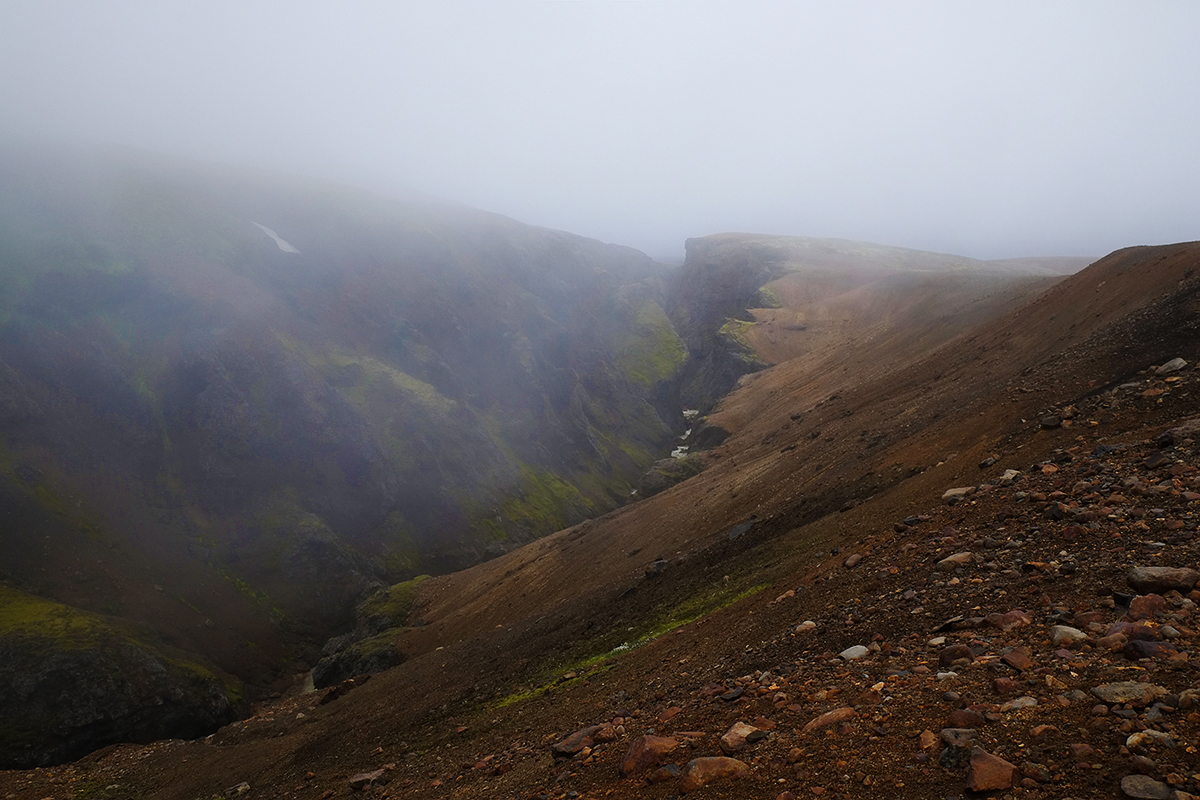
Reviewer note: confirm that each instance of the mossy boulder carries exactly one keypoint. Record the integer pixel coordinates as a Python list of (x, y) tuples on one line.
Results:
[(370, 647), (72, 681), (365, 657), (666, 473)]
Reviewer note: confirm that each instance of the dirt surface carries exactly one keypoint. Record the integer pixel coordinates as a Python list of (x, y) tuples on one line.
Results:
[(512, 657)]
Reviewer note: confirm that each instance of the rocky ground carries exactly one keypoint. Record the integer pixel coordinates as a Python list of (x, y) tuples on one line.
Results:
[(1034, 635)]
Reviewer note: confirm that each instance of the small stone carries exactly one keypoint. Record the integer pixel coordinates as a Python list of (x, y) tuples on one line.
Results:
[(362, 780), (951, 496), (1146, 788), (585, 737), (1142, 648), (830, 718), (703, 771), (1142, 765), (956, 560), (1174, 365), (1159, 580), (645, 752), (735, 738), (664, 773), (1065, 634), (958, 737), (955, 652), (1081, 751), (853, 653), (1018, 660), (989, 773), (1048, 423), (1149, 738), (964, 718), (1018, 703), (1009, 620), (1145, 606), (852, 560), (928, 740)]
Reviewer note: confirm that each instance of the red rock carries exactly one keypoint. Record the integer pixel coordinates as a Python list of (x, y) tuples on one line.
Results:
[(1162, 579), (703, 771), (1018, 659), (735, 738), (955, 652), (1008, 620), (664, 773), (964, 718), (830, 718), (645, 752), (988, 772), (1081, 751), (1004, 686), (1148, 605), (667, 715), (585, 737)]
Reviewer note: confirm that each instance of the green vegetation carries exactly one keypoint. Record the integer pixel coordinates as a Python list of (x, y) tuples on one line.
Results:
[(49, 627), (687, 612), (767, 298), (651, 352), (673, 618), (734, 333), (544, 504), (393, 603), (24, 614)]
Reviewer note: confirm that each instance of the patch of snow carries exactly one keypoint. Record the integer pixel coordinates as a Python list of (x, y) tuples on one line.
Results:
[(283, 245)]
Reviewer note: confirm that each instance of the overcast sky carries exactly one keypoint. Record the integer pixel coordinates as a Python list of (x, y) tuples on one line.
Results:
[(987, 129)]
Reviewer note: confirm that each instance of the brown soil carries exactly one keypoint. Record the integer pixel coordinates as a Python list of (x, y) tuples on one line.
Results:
[(828, 451)]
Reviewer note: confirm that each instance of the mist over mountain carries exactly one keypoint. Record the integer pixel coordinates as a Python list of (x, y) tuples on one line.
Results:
[(238, 404)]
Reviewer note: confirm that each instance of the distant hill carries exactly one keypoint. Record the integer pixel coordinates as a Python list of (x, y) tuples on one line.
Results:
[(234, 404), (743, 301)]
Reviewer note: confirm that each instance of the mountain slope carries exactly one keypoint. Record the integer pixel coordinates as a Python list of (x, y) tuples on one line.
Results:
[(812, 293), (273, 396), (525, 649)]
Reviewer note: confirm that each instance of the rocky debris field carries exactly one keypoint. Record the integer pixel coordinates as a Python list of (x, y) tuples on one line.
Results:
[(1034, 635)]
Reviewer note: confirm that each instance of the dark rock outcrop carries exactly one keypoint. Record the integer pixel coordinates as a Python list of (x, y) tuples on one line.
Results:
[(71, 682)]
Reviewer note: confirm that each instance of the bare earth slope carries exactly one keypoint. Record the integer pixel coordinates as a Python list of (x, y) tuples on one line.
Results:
[(518, 653)]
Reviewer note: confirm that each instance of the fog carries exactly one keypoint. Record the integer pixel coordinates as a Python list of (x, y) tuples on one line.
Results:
[(990, 130)]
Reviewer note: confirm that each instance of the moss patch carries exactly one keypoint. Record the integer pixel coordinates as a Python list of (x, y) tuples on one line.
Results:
[(733, 333), (24, 614), (394, 603), (61, 627), (544, 504), (767, 298), (587, 667), (651, 352)]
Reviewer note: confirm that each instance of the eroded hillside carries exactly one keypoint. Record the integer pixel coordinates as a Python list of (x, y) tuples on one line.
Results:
[(996, 596)]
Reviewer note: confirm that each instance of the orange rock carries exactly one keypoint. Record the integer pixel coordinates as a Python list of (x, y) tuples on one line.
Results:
[(703, 771), (988, 773), (830, 718), (645, 752)]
